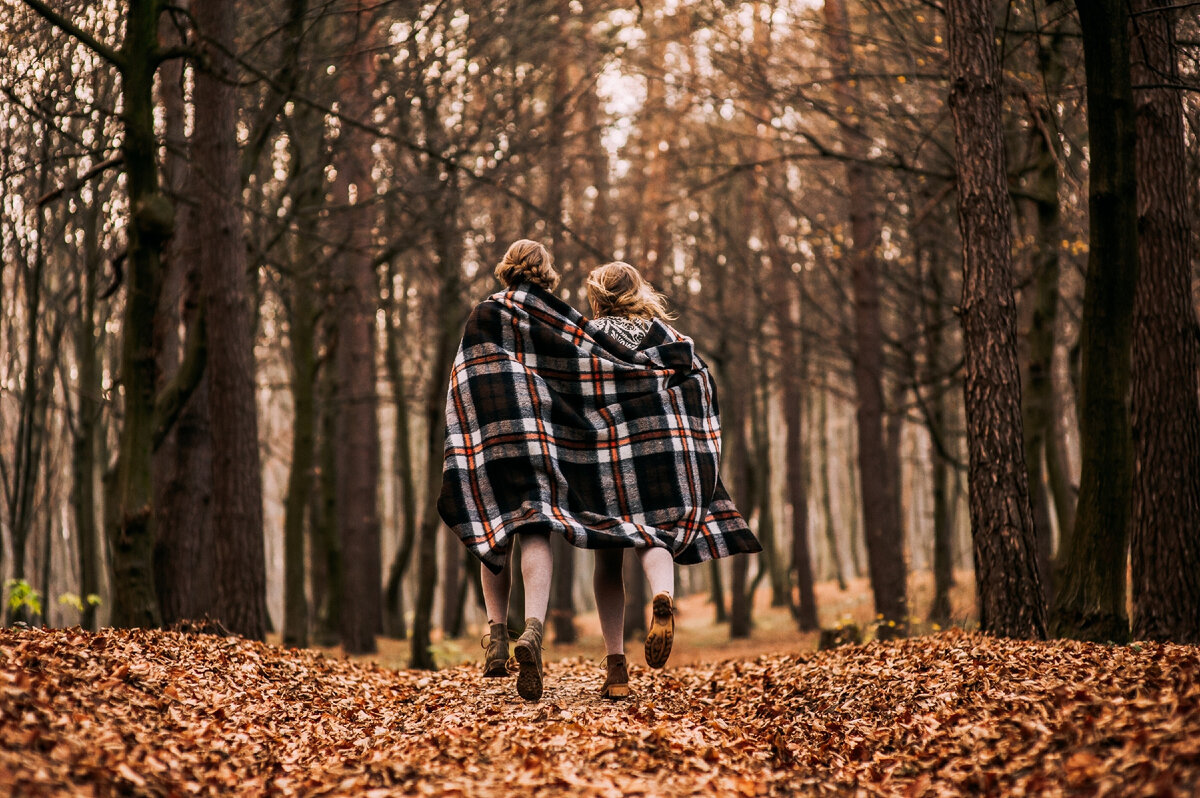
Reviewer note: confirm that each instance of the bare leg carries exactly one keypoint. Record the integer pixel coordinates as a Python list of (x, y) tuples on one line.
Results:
[(609, 588), (495, 590), (495, 600), (660, 570), (537, 565)]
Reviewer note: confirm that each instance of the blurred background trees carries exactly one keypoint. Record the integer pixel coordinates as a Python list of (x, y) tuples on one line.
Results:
[(229, 223)]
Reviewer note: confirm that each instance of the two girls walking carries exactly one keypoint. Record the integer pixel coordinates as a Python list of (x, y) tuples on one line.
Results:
[(604, 431)]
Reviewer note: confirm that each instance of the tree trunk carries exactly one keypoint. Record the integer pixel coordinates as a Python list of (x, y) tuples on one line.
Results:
[(449, 323), (833, 539), (327, 546), (884, 537), (516, 592), (300, 478), (183, 557), (1062, 490), (935, 358), (183, 462), (797, 489), (130, 527), (394, 623), (635, 596), (562, 594), (735, 449), (1008, 588), (853, 508), (1165, 533), (452, 582), (717, 594), (788, 310), (772, 559), (306, 192), (1090, 602), (239, 559), (1038, 404), (87, 439), (26, 463), (357, 443)]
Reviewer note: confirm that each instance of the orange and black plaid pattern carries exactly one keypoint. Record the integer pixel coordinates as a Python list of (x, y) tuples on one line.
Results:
[(554, 426)]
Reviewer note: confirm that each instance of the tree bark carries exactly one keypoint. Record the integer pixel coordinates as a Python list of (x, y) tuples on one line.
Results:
[(736, 450), (635, 596), (357, 444), (239, 558), (717, 594), (130, 518), (1008, 588), (797, 490), (87, 439), (941, 466), (326, 545), (300, 477), (183, 555), (1090, 602), (449, 322), (835, 541), (451, 583), (1062, 490), (394, 623), (31, 412), (884, 536), (562, 594), (1165, 532)]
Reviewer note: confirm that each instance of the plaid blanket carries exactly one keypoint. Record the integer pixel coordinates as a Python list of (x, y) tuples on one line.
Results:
[(554, 426)]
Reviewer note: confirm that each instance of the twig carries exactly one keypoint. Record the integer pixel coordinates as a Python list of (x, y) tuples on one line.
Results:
[(67, 26), (80, 181)]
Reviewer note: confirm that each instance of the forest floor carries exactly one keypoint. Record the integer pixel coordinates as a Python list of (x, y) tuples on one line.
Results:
[(700, 638), (947, 713)]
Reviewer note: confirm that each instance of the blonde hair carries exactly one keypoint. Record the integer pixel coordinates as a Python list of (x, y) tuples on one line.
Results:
[(527, 261), (618, 289)]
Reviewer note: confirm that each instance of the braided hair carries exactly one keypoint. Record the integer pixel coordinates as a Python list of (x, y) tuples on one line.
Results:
[(527, 261)]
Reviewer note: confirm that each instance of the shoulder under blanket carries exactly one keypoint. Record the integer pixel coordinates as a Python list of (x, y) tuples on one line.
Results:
[(553, 426)]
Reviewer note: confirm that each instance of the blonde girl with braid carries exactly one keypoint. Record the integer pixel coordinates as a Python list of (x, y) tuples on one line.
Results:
[(624, 305)]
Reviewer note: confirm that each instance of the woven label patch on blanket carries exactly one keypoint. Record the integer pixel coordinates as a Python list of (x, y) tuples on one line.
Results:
[(553, 426)]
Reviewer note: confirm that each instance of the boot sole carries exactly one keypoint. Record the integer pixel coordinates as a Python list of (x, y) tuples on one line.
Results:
[(615, 692), (529, 677), (661, 636)]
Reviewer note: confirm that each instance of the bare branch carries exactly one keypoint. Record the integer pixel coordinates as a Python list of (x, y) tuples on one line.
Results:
[(81, 180), (67, 26)]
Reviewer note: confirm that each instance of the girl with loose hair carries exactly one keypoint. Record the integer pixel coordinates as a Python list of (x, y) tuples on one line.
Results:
[(624, 305)]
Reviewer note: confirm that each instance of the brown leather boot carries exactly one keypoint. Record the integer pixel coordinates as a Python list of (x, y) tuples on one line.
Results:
[(528, 653), (616, 683), (662, 632), (496, 657)]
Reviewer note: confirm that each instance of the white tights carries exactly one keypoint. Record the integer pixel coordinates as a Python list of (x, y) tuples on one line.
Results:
[(609, 586), (536, 568)]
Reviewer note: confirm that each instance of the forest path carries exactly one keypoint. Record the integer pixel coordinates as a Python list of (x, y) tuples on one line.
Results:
[(162, 713)]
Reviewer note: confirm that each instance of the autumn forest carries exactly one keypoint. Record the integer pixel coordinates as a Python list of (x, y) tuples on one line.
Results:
[(940, 259)]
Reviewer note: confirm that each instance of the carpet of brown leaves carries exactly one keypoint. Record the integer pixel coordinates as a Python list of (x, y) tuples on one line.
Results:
[(161, 713)]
